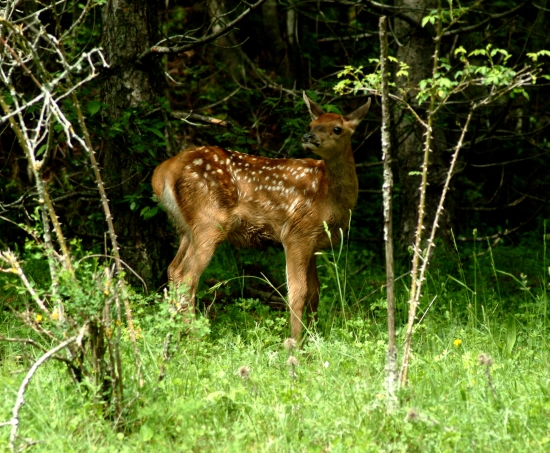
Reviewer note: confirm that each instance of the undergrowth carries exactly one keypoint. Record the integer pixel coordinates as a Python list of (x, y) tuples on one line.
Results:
[(479, 379)]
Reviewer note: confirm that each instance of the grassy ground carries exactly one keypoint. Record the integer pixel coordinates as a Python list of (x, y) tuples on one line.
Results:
[(332, 400), (479, 380)]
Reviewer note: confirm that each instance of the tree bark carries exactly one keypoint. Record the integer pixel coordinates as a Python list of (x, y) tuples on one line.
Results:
[(224, 48), (293, 49), (129, 28), (274, 41), (416, 50)]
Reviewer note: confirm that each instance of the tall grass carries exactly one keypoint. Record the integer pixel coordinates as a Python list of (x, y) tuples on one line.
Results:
[(479, 382)]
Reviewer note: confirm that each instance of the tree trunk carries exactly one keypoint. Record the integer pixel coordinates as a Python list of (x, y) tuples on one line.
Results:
[(274, 41), (224, 48), (293, 49), (417, 51), (130, 27)]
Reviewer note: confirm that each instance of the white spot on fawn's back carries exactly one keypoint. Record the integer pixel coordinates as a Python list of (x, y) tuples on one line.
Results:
[(197, 162)]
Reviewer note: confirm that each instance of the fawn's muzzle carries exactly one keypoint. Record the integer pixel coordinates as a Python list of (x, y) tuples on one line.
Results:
[(309, 138)]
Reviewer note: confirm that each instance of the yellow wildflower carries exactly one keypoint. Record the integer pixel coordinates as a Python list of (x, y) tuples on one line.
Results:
[(38, 317), (457, 342)]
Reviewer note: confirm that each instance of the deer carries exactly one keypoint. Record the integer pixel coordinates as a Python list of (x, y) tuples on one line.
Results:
[(214, 194)]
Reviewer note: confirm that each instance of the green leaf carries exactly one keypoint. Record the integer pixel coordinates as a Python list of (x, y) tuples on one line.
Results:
[(157, 133), (93, 107), (460, 50), (330, 108), (478, 52), (146, 433), (430, 19), (444, 82), (41, 150), (313, 95), (147, 212), (511, 333), (7, 97), (215, 396)]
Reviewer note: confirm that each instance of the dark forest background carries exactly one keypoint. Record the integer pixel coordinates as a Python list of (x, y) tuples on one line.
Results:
[(243, 91)]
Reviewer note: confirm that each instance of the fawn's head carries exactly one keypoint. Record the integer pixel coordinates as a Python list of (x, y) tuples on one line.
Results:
[(330, 134)]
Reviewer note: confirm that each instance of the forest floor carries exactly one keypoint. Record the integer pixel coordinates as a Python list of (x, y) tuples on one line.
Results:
[(479, 378)]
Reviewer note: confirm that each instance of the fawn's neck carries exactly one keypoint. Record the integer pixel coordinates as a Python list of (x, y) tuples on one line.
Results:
[(342, 180)]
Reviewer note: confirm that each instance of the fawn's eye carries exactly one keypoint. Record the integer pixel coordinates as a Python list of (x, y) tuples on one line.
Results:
[(337, 130)]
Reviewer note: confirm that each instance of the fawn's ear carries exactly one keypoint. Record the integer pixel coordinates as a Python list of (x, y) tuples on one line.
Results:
[(354, 118), (314, 110)]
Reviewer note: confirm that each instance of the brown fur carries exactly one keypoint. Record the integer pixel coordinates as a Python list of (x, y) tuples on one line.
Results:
[(213, 194)]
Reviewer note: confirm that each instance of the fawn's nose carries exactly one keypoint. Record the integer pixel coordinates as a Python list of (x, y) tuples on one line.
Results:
[(308, 137)]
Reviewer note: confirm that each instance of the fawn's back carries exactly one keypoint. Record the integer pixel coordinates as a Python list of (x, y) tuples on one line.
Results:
[(253, 200)]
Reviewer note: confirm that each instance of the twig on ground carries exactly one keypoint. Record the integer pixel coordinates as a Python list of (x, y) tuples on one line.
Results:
[(20, 401)]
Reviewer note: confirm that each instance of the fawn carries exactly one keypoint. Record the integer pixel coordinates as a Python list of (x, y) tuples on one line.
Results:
[(213, 194)]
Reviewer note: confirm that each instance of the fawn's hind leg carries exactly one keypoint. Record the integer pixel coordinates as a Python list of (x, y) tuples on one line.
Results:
[(175, 269), (312, 297), (197, 256)]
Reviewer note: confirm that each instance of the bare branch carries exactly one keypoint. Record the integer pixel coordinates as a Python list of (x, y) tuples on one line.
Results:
[(195, 116), (396, 11), (508, 205), (486, 21), (347, 38), (205, 39), (34, 343), (10, 258), (21, 393)]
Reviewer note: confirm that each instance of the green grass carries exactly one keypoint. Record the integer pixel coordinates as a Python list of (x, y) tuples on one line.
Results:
[(334, 399), (335, 403)]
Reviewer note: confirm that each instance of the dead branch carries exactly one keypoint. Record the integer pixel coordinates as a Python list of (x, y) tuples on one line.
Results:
[(347, 38), (34, 343), (20, 401), (10, 258), (496, 208), (486, 21), (162, 50), (205, 119)]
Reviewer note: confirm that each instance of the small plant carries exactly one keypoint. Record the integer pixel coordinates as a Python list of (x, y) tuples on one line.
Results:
[(290, 345), (487, 362)]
